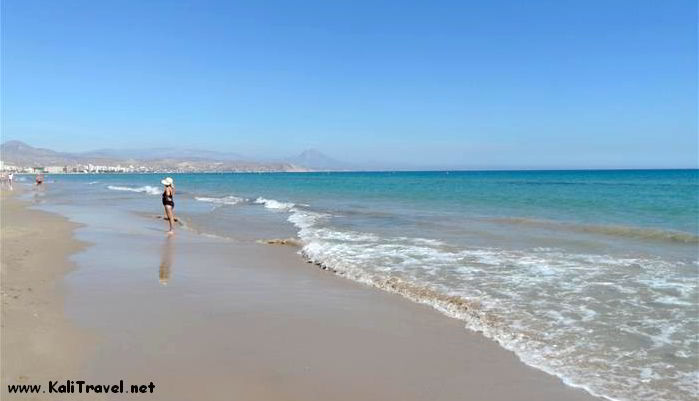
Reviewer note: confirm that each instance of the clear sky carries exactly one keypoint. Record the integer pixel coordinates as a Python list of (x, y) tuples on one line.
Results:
[(423, 83)]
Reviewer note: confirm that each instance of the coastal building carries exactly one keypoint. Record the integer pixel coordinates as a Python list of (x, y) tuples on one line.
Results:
[(9, 167), (55, 169)]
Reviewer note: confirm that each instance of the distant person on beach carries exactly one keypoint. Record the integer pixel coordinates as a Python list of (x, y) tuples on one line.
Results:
[(169, 202), (39, 179)]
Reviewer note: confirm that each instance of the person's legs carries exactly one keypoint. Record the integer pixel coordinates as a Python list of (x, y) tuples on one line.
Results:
[(170, 217)]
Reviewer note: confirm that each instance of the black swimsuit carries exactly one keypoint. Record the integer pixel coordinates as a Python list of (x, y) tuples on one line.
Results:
[(167, 200)]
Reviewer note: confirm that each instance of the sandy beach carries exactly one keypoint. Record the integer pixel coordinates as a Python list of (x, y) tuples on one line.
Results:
[(349, 201), (214, 319), (38, 342)]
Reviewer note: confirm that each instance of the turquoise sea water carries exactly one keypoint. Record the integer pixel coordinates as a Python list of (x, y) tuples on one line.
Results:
[(588, 275)]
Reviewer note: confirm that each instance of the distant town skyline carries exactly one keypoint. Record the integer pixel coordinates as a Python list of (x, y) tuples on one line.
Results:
[(506, 84)]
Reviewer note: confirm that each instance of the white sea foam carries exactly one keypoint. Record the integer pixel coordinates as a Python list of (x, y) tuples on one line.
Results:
[(146, 189), (537, 302), (226, 200), (274, 204), (516, 289)]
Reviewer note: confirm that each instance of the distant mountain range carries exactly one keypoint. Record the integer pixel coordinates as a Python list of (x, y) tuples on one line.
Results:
[(20, 154), (161, 153)]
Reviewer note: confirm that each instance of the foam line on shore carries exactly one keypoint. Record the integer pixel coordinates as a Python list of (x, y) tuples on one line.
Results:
[(340, 251)]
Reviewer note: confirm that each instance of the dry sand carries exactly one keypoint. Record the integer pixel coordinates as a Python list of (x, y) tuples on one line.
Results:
[(38, 342), (210, 319)]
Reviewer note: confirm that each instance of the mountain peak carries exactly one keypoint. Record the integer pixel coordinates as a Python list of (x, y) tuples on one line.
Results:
[(14, 144), (317, 160), (311, 152)]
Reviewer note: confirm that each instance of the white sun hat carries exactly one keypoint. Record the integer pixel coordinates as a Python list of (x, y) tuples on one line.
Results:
[(167, 181)]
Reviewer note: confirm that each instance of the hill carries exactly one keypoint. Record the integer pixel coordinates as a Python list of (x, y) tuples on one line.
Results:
[(22, 155)]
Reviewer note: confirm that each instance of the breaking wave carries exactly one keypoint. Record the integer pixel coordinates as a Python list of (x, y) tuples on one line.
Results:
[(146, 189), (274, 204), (226, 200), (537, 302)]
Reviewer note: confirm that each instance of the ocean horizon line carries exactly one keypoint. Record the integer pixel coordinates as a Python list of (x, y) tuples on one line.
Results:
[(602, 169)]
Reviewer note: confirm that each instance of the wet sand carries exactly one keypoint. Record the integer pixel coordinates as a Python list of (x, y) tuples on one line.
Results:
[(214, 319)]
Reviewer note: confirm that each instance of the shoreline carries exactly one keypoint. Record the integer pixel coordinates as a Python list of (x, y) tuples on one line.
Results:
[(39, 342), (257, 321)]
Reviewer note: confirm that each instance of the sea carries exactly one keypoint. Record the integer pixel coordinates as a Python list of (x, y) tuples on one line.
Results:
[(591, 276)]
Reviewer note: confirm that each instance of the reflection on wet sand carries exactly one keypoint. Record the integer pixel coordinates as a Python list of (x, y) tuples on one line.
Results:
[(166, 261), (38, 194)]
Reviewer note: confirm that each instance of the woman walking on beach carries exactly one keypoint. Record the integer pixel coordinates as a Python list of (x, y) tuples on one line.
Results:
[(169, 202)]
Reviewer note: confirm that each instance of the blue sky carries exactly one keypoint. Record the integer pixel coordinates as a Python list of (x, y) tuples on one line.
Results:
[(491, 84)]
